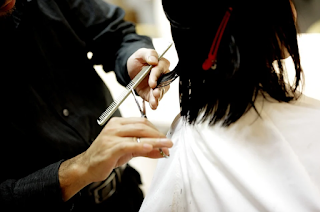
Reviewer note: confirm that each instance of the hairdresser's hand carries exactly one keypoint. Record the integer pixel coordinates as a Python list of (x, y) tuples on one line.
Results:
[(117, 144), (146, 89), (114, 146)]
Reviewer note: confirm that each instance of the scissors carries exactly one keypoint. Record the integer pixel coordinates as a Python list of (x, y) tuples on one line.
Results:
[(143, 114)]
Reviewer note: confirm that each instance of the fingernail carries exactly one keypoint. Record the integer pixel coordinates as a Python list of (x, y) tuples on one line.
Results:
[(164, 141), (152, 59), (151, 106), (165, 155)]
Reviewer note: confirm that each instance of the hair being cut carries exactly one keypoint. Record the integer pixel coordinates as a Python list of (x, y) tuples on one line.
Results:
[(249, 59)]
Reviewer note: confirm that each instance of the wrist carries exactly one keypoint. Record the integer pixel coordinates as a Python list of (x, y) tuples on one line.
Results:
[(72, 177)]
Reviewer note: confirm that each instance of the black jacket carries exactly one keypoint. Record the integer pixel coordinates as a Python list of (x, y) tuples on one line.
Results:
[(51, 95)]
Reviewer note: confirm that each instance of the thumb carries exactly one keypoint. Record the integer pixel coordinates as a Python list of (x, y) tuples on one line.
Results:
[(152, 57)]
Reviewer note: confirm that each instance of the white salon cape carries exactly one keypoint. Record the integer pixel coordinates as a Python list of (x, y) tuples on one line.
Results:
[(266, 164)]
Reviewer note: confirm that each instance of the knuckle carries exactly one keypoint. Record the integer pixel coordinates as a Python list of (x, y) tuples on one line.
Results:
[(144, 121), (154, 52), (122, 146), (113, 120), (166, 61), (141, 127), (112, 130)]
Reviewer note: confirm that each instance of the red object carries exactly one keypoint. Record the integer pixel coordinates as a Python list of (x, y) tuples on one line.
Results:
[(207, 64)]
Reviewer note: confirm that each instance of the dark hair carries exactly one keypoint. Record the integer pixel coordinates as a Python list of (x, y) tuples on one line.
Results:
[(253, 44)]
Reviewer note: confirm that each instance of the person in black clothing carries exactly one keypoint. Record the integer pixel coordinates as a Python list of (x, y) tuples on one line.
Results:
[(54, 155)]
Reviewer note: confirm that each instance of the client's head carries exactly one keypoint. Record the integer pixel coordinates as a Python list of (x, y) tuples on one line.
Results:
[(227, 51)]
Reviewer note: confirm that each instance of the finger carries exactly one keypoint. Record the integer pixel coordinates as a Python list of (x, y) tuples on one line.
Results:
[(156, 72), (154, 154), (139, 130), (131, 148), (129, 121), (157, 142), (165, 151), (161, 147), (131, 127), (153, 101), (150, 56), (144, 148), (158, 93)]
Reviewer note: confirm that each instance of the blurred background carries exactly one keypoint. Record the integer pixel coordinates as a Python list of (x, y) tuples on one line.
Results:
[(147, 15), (149, 18), (308, 15)]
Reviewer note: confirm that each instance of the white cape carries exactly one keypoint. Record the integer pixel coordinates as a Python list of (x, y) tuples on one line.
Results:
[(262, 164)]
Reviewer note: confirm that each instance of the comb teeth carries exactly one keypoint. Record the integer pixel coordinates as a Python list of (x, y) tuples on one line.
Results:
[(129, 86), (103, 118), (110, 110)]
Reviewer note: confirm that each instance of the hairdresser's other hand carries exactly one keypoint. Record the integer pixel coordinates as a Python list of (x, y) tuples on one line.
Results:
[(117, 144), (146, 89), (114, 146)]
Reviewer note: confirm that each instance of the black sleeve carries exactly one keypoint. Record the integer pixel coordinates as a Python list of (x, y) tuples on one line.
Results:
[(110, 38), (37, 191)]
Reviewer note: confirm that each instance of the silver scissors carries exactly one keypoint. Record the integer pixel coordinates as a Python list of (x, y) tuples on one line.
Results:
[(143, 114)]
